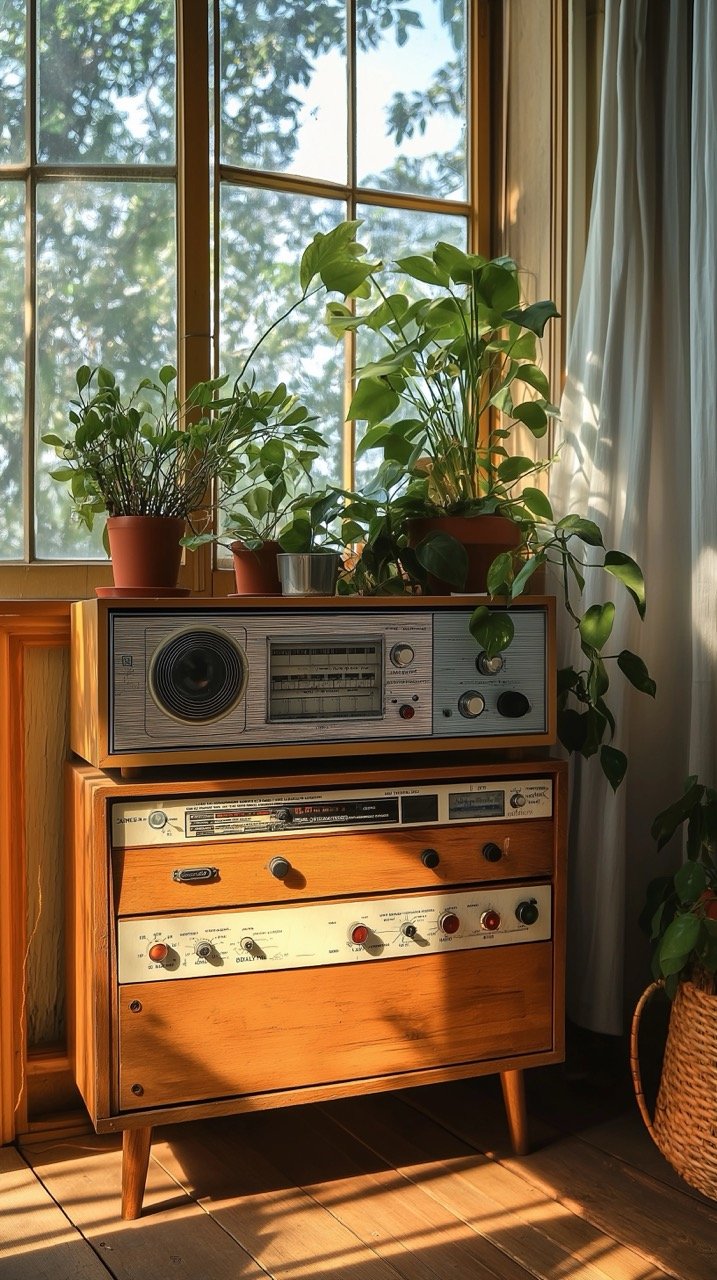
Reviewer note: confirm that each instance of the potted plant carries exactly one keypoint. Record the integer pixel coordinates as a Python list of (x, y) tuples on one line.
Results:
[(680, 917), (441, 404), (312, 545), (145, 461), (266, 479)]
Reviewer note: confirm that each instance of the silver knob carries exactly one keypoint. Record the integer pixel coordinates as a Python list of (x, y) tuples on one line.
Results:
[(471, 704), (409, 930), (490, 666), (517, 800), (402, 655), (203, 950), (157, 819), (247, 944)]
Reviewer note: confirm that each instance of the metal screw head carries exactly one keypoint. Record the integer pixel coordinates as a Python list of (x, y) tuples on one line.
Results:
[(135, 1006), (137, 1090)]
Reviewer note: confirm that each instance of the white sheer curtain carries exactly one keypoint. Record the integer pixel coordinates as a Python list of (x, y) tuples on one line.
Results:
[(640, 457)]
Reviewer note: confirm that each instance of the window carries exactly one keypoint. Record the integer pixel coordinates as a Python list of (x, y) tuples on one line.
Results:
[(321, 110)]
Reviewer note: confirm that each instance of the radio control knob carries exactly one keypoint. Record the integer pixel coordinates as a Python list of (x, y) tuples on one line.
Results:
[(158, 952), (280, 868), (490, 666), (358, 934), (527, 912), (247, 944), (517, 800), (490, 920), (409, 930), (512, 704), (157, 819), (406, 712), (471, 704), (449, 922), (430, 858), (402, 655), (203, 949), (492, 852)]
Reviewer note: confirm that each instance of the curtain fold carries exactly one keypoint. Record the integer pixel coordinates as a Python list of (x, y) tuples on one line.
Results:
[(639, 425)]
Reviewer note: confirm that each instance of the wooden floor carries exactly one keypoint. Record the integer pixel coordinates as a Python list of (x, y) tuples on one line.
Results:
[(418, 1185)]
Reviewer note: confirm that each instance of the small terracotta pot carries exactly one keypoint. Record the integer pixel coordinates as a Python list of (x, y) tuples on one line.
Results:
[(256, 572), (483, 537), (145, 551)]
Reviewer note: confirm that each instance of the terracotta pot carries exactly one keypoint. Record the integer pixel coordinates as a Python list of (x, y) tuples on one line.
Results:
[(256, 572), (483, 537), (145, 551)]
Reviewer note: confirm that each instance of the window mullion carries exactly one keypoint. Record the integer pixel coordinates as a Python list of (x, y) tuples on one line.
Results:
[(28, 460)]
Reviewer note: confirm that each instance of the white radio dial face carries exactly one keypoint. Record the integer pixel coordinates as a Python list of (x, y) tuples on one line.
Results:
[(325, 680)]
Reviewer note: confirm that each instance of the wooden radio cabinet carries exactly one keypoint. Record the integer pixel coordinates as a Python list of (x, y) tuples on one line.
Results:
[(255, 942)]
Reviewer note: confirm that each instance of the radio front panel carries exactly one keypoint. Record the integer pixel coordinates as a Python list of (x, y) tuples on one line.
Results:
[(212, 944), (172, 820), (266, 679)]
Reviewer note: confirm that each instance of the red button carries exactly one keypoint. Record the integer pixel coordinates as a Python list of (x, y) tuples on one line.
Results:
[(158, 952), (359, 934), (406, 712), (449, 923), (490, 920)]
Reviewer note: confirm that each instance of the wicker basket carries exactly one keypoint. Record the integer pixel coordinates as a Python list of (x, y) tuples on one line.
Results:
[(685, 1122)]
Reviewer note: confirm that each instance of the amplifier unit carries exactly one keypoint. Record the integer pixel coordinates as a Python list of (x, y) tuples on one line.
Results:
[(227, 680), (251, 943)]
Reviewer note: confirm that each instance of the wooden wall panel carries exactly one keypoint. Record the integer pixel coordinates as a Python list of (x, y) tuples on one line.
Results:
[(46, 693), (26, 628)]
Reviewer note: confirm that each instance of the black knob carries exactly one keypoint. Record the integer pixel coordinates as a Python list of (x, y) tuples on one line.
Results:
[(285, 815), (513, 704), (527, 912), (280, 868), (430, 858), (492, 852)]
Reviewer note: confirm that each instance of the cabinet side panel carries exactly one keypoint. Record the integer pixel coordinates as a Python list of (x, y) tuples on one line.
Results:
[(84, 685)]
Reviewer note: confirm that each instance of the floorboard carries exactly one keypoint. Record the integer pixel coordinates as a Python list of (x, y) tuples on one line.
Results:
[(419, 1185)]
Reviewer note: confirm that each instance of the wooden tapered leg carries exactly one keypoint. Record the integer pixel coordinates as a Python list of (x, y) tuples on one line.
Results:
[(135, 1162), (514, 1099)]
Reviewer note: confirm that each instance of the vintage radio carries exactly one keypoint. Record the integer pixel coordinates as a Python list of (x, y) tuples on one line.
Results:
[(227, 680), (241, 944)]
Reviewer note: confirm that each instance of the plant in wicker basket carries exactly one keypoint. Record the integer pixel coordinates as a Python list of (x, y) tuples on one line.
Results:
[(680, 915)]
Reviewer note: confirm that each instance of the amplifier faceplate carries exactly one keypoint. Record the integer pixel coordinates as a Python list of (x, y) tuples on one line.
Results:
[(248, 940), (176, 820)]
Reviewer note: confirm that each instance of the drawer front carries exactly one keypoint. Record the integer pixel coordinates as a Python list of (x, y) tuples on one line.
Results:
[(321, 866), (235, 1036)]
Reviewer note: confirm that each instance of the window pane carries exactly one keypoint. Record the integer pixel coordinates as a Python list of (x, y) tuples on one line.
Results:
[(283, 86), (12, 367), (12, 81), (263, 234), (106, 74), (411, 97), (390, 234), (106, 293)]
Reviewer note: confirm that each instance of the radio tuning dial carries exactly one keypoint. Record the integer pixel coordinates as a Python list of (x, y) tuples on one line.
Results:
[(490, 666), (471, 704), (527, 912), (490, 920), (157, 819), (280, 868), (517, 800), (402, 655), (203, 950)]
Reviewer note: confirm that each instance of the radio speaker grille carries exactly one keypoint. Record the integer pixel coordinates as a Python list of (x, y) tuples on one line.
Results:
[(198, 675)]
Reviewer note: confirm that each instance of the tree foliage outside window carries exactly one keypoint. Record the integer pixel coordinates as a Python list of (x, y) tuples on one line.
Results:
[(99, 194)]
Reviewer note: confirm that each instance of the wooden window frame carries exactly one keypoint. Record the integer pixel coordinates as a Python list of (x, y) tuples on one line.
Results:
[(197, 328)]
